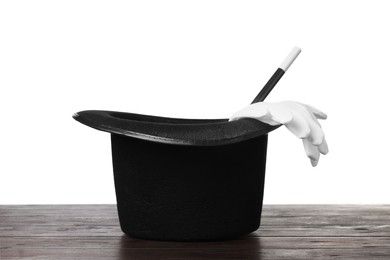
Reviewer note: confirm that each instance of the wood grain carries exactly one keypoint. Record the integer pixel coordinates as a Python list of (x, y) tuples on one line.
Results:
[(286, 232)]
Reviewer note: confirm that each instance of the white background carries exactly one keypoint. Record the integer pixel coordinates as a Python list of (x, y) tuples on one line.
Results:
[(191, 59)]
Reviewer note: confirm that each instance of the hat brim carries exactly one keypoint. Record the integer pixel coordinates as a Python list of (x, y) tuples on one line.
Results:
[(196, 132)]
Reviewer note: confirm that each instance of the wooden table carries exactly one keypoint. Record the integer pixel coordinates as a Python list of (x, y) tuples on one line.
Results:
[(286, 232)]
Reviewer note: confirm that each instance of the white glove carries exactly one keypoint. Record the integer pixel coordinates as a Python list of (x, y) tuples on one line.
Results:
[(300, 119)]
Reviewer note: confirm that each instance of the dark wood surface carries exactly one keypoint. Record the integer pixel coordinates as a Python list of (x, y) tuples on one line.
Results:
[(286, 232)]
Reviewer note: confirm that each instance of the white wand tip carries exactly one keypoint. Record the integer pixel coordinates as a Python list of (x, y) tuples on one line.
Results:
[(290, 58)]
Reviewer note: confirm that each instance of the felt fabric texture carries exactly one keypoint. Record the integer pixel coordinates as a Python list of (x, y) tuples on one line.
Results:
[(188, 193)]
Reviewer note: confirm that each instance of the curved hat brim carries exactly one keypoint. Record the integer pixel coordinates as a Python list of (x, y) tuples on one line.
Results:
[(197, 132)]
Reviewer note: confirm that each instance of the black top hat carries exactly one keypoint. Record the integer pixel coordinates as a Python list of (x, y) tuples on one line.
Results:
[(197, 132), (175, 180), (186, 179)]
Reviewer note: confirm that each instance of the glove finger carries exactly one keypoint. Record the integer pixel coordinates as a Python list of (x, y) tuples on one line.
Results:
[(318, 113), (323, 147), (314, 163), (316, 136), (311, 150)]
